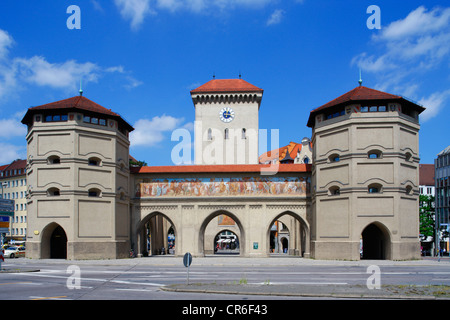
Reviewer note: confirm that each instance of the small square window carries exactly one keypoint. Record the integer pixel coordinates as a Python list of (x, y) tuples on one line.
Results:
[(87, 119), (364, 109)]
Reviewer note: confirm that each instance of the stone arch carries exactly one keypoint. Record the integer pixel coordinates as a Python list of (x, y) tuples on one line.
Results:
[(299, 239), (207, 220), (140, 246), (376, 242), (54, 242)]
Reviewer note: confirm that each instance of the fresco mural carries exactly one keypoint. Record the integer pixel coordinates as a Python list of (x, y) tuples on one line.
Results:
[(218, 187)]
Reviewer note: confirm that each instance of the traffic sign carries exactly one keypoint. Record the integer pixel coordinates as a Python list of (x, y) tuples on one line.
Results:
[(7, 207), (187, 259)]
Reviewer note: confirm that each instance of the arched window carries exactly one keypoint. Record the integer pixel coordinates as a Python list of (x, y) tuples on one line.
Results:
[(53, 192), (209, 134), (226, 133), (409, 190), (306, 160), (54, 160), (334, 158), (94, 161), (244, 131), (374, 188), (94, 192), (408, 156), (334, 191), (374, 154)]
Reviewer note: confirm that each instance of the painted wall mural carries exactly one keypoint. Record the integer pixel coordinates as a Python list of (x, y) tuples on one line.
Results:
[(218, 187)]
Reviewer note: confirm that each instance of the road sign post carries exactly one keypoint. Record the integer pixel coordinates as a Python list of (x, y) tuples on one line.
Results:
[(187, 260), (2, 259)]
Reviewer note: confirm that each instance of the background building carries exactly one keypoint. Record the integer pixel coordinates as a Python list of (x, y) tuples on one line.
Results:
[(13, 178), (442, 179)]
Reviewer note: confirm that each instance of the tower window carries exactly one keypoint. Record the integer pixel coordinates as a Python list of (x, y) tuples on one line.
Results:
[(53, 192), (374, 154), (209, 134), (54, 160), (94, 192), (374, 188), (334, 191), (94, 161), (334, 158), (244, 131), (227, 133)]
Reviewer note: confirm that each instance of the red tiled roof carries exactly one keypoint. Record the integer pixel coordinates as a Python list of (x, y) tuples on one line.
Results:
[(15, 165), (221, 168), (227, 85), (361, 93), (426, 174), (280, 153), (78, 103), (358, 94)]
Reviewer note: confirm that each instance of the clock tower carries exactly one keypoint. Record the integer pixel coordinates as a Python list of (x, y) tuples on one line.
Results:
[(226, 122)]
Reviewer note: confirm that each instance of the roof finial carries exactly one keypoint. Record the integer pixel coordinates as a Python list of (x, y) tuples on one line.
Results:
[(240, 74), (360, 80), (81, 90), (214, 75)]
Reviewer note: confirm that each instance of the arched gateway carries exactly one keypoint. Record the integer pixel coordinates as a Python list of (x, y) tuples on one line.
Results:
[(85, 201), (250, 200)]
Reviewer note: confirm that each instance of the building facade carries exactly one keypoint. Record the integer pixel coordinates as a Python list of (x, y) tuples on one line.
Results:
[(442, 199), (356, 181), (13, 178)]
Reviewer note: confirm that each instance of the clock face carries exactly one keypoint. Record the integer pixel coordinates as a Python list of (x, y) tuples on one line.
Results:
[(226, 114)]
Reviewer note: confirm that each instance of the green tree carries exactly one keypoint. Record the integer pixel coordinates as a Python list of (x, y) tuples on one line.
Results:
[(426, 217)]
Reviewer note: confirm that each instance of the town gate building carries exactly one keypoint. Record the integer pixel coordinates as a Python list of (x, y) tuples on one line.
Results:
[(355, 196)]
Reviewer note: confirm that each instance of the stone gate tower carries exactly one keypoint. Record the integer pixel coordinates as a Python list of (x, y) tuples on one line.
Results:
[(226, 122), (78, 181), (365, 177)]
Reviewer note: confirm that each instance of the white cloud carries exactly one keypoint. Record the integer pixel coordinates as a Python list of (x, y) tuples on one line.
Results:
[(134, 10), (17, 72), (151, 132), (433, 104), (6, 41), (137, 10), (12, 127), (408, 50), (38, 71), (275, 17), (11, 152)]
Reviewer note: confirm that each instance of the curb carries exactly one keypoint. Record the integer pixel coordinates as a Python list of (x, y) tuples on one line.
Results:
[(300, 294)]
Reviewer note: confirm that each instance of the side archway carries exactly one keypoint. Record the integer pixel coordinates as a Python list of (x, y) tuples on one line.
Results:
[(375, 242), (152, 235), (298, 242), (53, 242)]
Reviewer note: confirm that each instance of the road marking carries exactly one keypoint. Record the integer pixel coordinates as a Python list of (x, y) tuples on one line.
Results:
[(48, 298), (137, 290), (8, 283)]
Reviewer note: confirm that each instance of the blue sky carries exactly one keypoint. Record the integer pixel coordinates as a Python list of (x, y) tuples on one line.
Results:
[(141, 58)]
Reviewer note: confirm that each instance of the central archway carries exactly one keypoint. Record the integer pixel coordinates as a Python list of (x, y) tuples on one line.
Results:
[(201, 235)]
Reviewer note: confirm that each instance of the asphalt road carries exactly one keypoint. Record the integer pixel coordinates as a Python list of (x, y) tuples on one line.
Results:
[(155, 278)]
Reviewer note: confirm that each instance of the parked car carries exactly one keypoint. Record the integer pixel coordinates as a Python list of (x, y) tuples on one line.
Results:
[(14, 252)]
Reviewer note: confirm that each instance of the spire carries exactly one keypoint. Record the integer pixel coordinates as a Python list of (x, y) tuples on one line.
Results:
[(81, 90), (360, 80)]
